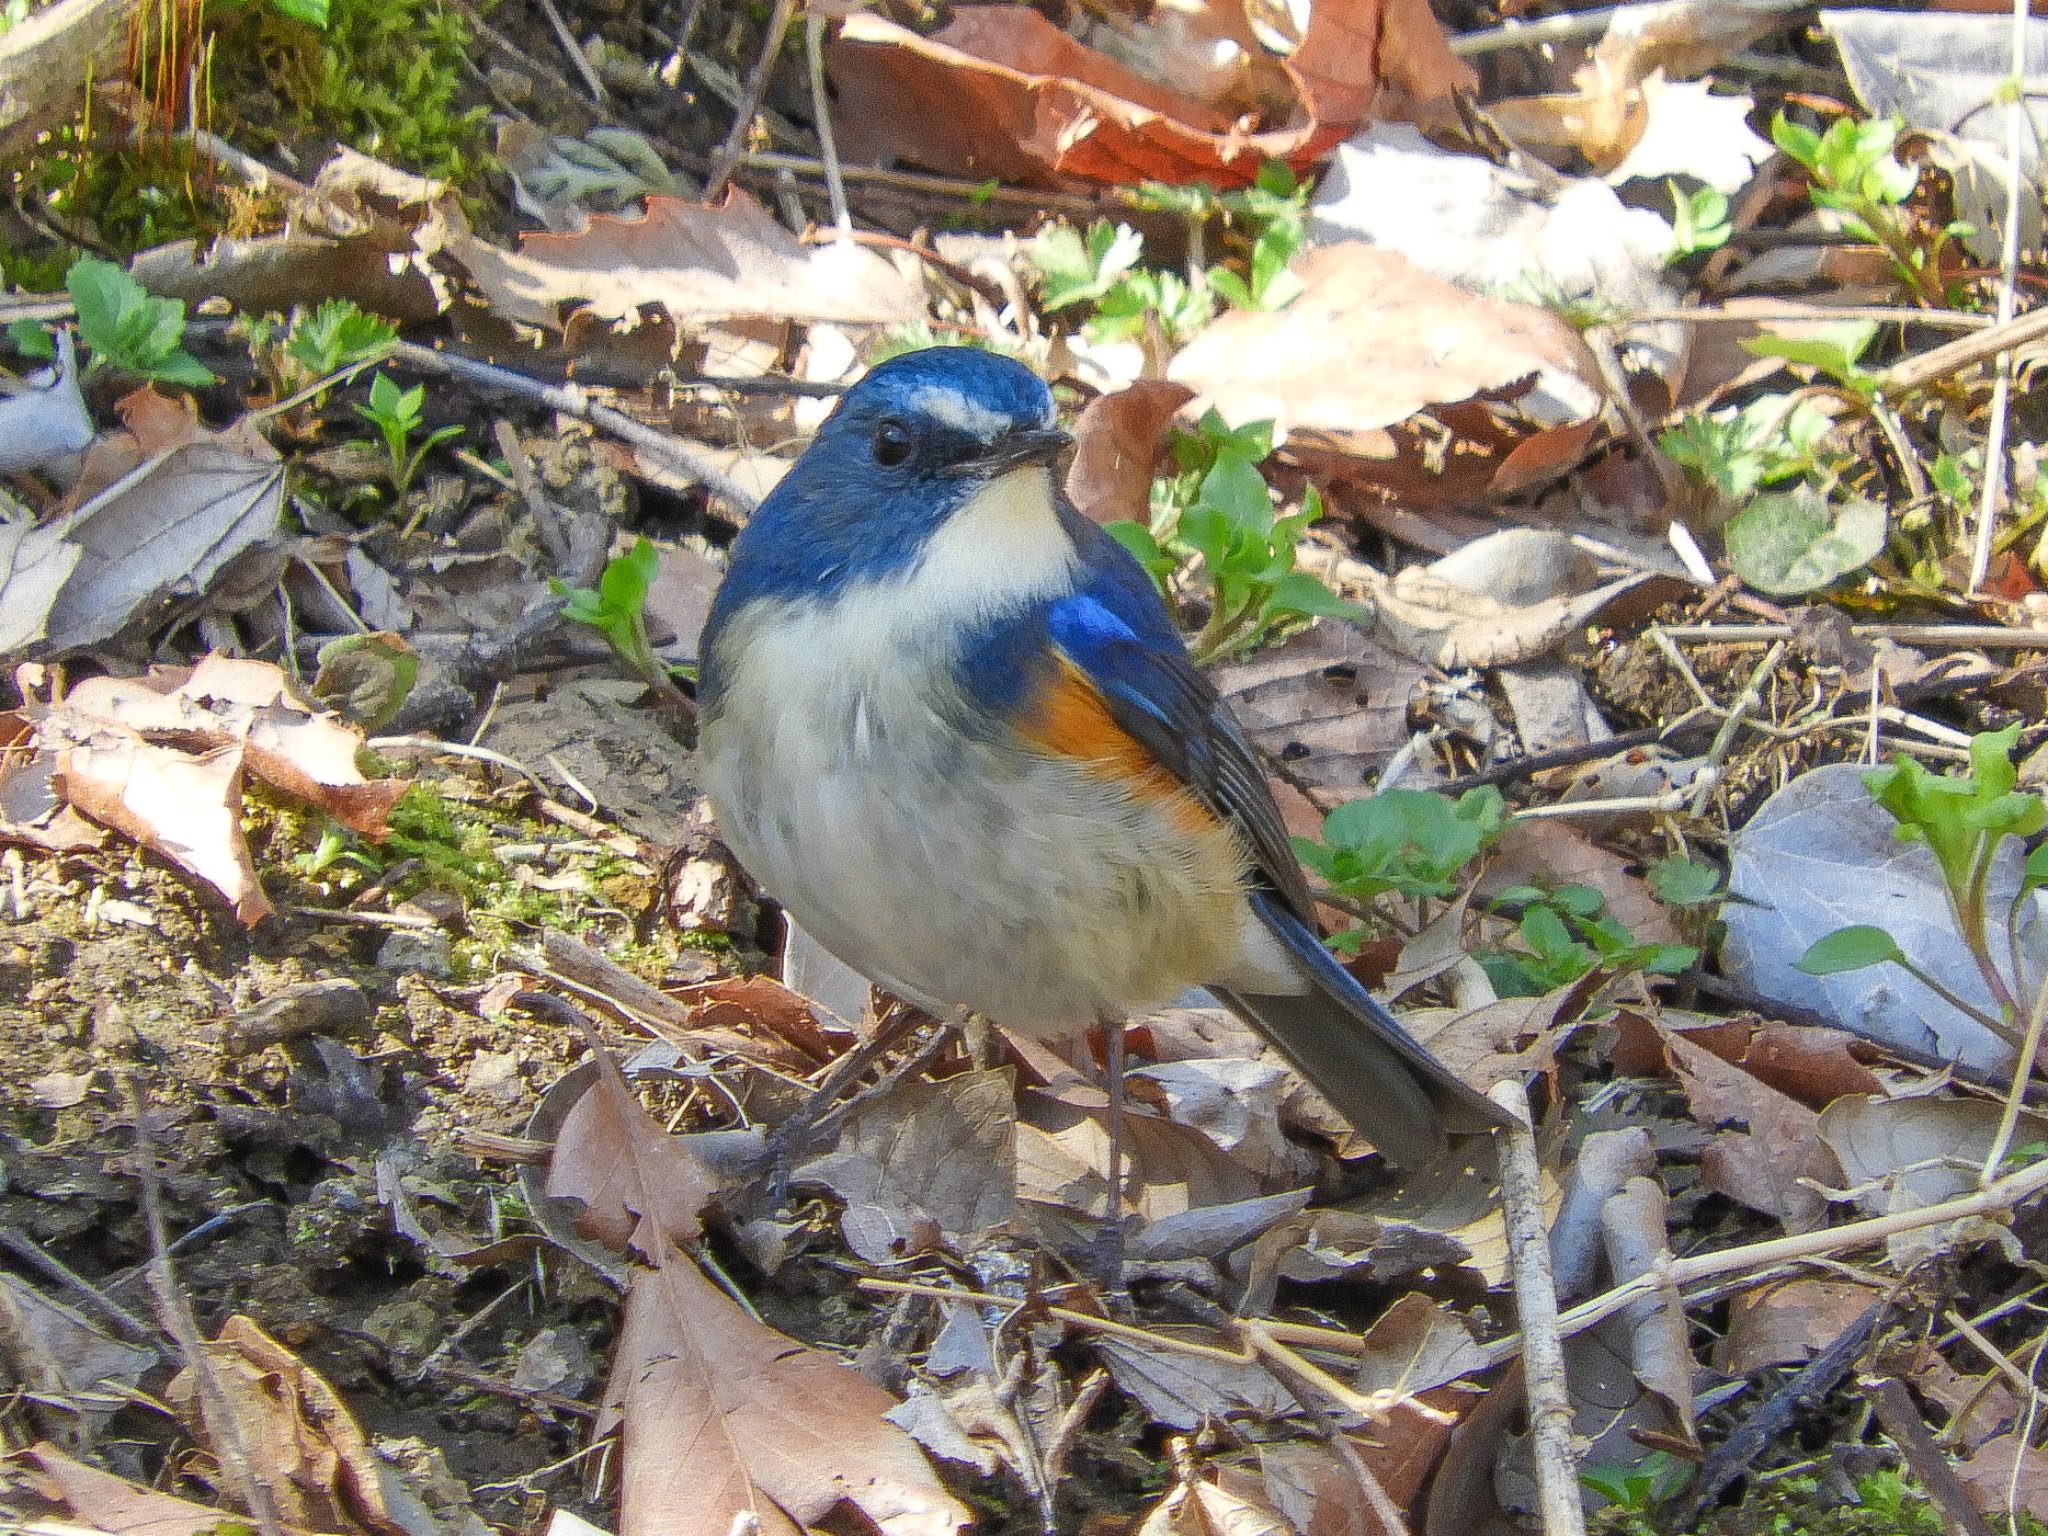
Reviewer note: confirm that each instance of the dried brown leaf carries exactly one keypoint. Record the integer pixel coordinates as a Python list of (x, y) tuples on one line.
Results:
[(1776, 1162), (1203, 1507), (1117, 441), (640, 1187), (1789, 1323), (183, 807), (1000, 91), (301, 1442), (103, 1502), (1492, 372), (1184, 1390), (723, 1421), (148, 526), (224, 700), (1063, 1149), (696, 262), (1812, 1064), (924, 1166), (2007, 1474), (1332, 703)]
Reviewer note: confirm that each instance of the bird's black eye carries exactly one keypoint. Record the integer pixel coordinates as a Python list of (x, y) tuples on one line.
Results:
[(892, 443)]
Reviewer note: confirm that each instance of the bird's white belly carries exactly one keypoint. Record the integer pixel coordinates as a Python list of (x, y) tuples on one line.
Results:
[(953, 871)]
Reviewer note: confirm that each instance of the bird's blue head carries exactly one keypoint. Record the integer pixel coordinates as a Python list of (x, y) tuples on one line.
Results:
[(906, 448)]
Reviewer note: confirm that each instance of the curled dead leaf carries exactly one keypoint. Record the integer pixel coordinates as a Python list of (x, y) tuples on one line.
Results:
[(1000, 91), (1457, 382)]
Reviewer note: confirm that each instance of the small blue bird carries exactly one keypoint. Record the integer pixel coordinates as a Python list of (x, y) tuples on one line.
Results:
[(947, 722)]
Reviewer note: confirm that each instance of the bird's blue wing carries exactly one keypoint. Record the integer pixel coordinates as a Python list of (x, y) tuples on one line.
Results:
[(1116, 633)]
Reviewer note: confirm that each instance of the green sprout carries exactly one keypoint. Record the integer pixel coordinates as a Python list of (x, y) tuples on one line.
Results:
[(1856, 175), (1699, 222), (1218, 512), (617, 609), (396, 414), (129, 329), (1963, 819)]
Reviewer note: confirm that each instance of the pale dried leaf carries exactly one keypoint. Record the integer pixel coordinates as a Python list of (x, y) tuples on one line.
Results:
[(55, 1349), (1184, 1390), (696, 262), (1330, 702), (1235, 1102), (925, 1165), (1493, 228), (1432, 345), (723, 1419), (162, 532), (1820, 855), (1633, 1219), (35, 562), (1451, 627), (1902, 1154), (104, 1502), (183, 807), (302, 1443), (1416, 1345), (1205, 1508), (45, 420), (308, 754)]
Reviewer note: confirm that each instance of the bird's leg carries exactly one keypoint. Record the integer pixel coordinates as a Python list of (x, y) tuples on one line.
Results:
[(1113, 1232)]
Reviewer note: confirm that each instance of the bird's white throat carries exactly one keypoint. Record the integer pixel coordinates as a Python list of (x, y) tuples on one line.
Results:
[(1003, 546)]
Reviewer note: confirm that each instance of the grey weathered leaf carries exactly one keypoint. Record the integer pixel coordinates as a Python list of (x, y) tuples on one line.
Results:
[(162, 531), (1798, 542)]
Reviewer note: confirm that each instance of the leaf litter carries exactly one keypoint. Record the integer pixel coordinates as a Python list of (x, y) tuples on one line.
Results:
[(936, 1215)]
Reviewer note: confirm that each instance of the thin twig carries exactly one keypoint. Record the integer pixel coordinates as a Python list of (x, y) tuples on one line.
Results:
[(1994, 1199), (1550, 1402), (1803, 314), (573, 401), (2022, 1074), (174, 1308), (821, 111), (577, 61), (950, 188), (750, 101), (2008, 288), (1952, 357)]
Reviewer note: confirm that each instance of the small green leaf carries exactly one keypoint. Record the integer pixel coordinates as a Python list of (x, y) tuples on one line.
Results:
[(102, 294), (628, 577), (1797, 542), (1849, 949), (1834, 348), (1683, 882), (2036, 872), (31, 341), (1299, 592), (1800, 144)]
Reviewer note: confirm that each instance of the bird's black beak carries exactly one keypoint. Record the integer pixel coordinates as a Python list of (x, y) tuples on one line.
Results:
[(1014, 450)]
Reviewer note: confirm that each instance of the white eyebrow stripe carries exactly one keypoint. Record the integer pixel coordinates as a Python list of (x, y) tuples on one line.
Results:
[(953, 409)]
